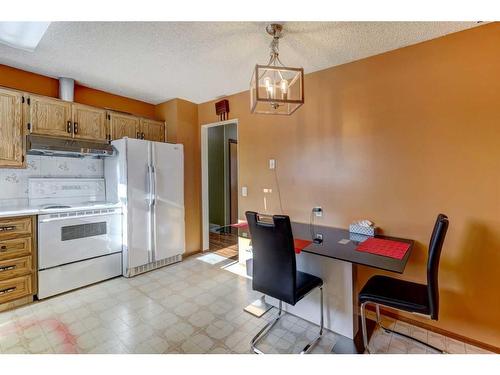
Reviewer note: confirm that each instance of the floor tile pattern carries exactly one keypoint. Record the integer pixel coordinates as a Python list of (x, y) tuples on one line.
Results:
[(189, 307)]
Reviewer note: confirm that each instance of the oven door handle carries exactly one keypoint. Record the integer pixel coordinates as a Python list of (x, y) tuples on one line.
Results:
[(48, 220)]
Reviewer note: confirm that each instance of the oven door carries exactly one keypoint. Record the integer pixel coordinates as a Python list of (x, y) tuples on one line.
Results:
[(71, 237)]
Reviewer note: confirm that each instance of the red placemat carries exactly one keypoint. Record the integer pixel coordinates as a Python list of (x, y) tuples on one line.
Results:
[(387, 248), (300, 244), (243, 224)]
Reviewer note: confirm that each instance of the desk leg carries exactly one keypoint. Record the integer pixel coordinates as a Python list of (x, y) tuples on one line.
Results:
[(258, 307), (339, 310)]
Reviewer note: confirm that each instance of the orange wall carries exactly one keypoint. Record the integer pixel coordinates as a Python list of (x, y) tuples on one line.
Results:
[(397, 138), (181, 117), (42, 85)]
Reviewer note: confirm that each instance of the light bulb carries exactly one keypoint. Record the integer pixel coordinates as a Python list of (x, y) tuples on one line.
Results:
[(269, 87), (267, 82), (284, 86), (284, 89)]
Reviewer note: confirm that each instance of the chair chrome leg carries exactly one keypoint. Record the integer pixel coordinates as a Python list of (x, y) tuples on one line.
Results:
[(309, 346), (265, 330), (388, 330), (363, 326)]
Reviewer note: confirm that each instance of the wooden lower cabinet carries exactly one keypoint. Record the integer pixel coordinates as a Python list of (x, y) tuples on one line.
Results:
[(18, 262), (15, 288)]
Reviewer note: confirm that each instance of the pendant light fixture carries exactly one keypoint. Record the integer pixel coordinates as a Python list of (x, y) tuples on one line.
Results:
[(276, 89)]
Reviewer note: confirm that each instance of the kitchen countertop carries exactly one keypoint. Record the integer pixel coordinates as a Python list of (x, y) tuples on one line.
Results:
[(22, 207)]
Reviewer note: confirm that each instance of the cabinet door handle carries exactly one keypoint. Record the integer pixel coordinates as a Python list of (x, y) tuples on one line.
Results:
[(7, 268), (7, 229), (8, 290), (68, 127), (138, 136), (75, 126), (142, 135)]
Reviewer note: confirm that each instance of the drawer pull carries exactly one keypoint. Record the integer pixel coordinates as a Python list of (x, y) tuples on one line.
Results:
[(7, 229), (7, 268), (3, 248), (8, 290)]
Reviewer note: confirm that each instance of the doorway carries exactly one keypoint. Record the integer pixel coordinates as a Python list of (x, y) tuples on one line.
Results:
[(219, 149)]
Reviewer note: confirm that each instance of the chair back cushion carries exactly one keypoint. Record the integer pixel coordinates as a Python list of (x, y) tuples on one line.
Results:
[(435, 246), (274, 266)]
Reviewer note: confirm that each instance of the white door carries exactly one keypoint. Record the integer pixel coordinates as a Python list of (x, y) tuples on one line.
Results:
[(138, 200), (168, 215)]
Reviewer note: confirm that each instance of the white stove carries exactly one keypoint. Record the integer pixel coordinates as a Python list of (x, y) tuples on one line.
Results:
[(79, 233)]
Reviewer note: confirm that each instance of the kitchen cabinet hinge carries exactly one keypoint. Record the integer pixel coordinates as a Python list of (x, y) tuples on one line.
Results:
[(109, 117), (22, 159), (28, 101), (29, 126), (22, 99)]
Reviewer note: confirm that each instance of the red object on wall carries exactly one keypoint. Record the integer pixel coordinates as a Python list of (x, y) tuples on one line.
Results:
[(222, 109)]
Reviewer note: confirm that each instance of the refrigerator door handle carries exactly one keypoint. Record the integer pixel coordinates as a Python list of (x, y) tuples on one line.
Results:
[(153, 214), (153, 185), (150, 186)]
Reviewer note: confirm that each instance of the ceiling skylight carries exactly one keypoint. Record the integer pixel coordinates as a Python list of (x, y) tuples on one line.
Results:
[(22, 35)]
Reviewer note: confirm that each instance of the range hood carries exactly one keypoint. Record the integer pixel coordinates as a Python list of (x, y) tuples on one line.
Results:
[(48, 146)]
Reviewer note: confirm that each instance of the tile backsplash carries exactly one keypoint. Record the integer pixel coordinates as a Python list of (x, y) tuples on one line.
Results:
[(14, 182)]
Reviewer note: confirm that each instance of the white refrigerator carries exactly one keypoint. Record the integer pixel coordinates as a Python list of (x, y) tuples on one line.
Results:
[(148, 179)]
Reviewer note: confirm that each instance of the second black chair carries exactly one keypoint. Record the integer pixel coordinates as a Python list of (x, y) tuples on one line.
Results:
[(405, 295), (275, 270)]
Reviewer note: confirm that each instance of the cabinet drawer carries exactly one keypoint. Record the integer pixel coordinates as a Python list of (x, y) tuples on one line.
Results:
[(15, 248), (15, 227), (15, 267), (15, 288)]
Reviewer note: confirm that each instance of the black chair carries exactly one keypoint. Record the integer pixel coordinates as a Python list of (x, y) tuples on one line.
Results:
[(404, 295), (275, 270)]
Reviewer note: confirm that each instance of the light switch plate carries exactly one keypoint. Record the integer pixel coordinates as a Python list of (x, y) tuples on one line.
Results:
[(272, 163), (244, 191)]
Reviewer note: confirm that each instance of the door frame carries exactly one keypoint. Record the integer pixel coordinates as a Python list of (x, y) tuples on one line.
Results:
[(229, 175), (205, 243)]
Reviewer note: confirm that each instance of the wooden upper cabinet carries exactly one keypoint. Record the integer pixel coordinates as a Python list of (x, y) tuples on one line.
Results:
[(89, 122), (122, 125), (11, 129), (50, 116), (152, 130)]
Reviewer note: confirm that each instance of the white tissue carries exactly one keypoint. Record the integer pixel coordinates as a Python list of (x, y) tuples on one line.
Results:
[(365, 223)]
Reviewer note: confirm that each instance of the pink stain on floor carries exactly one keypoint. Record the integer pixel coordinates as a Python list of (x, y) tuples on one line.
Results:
[(68, 344)]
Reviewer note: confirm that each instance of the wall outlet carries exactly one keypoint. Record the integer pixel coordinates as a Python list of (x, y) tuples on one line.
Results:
[(244, 191), (272, 163), (318, 238), (318, 211)]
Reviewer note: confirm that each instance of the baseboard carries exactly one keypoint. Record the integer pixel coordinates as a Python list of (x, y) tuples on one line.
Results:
[(453, 335)]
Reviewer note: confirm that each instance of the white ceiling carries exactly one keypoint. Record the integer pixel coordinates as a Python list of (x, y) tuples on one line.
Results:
[(199, 61)]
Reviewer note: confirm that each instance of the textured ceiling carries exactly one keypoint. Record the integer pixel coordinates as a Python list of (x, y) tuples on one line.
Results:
[(199, 61)]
